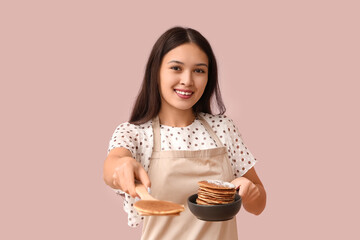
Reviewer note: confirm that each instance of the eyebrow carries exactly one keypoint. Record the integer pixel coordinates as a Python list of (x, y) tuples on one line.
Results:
[(198, 64)]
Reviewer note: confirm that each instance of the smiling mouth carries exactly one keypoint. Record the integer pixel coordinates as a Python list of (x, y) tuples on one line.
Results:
[(183, 93)]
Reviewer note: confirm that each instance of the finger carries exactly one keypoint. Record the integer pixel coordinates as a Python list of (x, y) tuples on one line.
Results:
[(115, 181), (234, 182), (237, 182), (122, 182), (243, 191), (130, 182), (143, 177)]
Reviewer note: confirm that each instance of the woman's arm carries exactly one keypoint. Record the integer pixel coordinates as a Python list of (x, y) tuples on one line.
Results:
[(121, 170), (251, 191)]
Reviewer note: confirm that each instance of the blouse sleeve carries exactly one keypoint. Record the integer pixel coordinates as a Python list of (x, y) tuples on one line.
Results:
[(241, 158), (126, 136)]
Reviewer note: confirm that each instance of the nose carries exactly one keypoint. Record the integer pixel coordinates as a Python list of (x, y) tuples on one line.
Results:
[(186, 78)]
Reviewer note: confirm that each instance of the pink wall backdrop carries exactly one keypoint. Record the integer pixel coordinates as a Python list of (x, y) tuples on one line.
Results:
[(70, 71)]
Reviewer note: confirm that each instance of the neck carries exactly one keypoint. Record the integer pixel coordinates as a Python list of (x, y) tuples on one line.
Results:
[(178, 118)]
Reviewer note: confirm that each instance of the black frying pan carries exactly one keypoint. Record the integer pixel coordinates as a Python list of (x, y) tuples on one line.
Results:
[(221, 212)]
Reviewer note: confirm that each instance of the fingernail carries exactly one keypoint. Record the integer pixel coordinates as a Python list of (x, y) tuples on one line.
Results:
[(149, 190), (137, 199)]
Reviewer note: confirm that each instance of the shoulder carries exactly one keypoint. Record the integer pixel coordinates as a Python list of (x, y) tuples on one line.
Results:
[(131, 133), (131, 136), (127, 127), (223, 126), (218, 121)]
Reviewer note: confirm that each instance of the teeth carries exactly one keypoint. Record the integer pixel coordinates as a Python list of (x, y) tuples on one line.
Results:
[(184, 93)]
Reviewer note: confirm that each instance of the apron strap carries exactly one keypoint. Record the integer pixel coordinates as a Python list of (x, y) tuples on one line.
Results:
[(210, 131), (156, 133)]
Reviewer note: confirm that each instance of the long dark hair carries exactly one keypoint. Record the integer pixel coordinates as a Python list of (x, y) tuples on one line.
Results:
[(148, 102)]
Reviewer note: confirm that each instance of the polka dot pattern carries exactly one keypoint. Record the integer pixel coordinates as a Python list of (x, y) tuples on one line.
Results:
[(138, 139)]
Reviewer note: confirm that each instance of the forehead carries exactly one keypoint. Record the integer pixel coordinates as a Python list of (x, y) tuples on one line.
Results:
[(188, 53)]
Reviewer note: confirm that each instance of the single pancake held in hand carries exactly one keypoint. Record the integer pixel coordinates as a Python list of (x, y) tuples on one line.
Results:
[(215, 192), (156, 207), (149, 206)]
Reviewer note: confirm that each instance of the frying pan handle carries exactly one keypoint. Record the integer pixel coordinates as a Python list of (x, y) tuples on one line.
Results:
[(142, 192)]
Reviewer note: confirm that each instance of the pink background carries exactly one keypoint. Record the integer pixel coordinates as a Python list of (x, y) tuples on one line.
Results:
[(70, 71)]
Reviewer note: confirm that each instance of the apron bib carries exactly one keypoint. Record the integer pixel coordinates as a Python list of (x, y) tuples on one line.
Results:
[(174, 176)]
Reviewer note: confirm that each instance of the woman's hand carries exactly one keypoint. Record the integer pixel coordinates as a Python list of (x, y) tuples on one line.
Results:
[(121, 170), (251, 191), (247, 189), (125, 174)]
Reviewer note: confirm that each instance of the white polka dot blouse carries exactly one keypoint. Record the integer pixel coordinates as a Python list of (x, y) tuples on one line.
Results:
[(139, 140)]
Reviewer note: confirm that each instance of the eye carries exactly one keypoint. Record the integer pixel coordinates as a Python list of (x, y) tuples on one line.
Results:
[(176, 68), (199, 70)]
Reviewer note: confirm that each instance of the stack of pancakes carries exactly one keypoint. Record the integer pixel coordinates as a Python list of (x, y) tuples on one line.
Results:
[(215, 192)]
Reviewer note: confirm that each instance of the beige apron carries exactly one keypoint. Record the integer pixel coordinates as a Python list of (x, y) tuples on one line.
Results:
[(174, 176)]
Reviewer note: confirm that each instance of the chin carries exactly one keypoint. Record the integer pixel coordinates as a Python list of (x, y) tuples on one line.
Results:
[(183, 107)]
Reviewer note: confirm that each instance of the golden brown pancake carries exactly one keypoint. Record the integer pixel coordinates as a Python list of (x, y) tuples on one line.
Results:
[(156, 207), (212, 194), (226, 191), (214, 201), (201, 202), (171, 214)]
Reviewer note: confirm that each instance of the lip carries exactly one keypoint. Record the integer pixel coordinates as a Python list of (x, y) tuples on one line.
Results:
[(183, 96)]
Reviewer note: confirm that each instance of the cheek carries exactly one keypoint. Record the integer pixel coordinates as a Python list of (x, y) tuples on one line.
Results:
[(202, 84), (167, 80), (166, 87)]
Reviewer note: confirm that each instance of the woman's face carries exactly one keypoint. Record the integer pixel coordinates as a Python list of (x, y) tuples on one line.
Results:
[(183, 77)]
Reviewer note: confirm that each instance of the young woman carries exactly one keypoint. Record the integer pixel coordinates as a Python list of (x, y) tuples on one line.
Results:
[(173, 140)]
